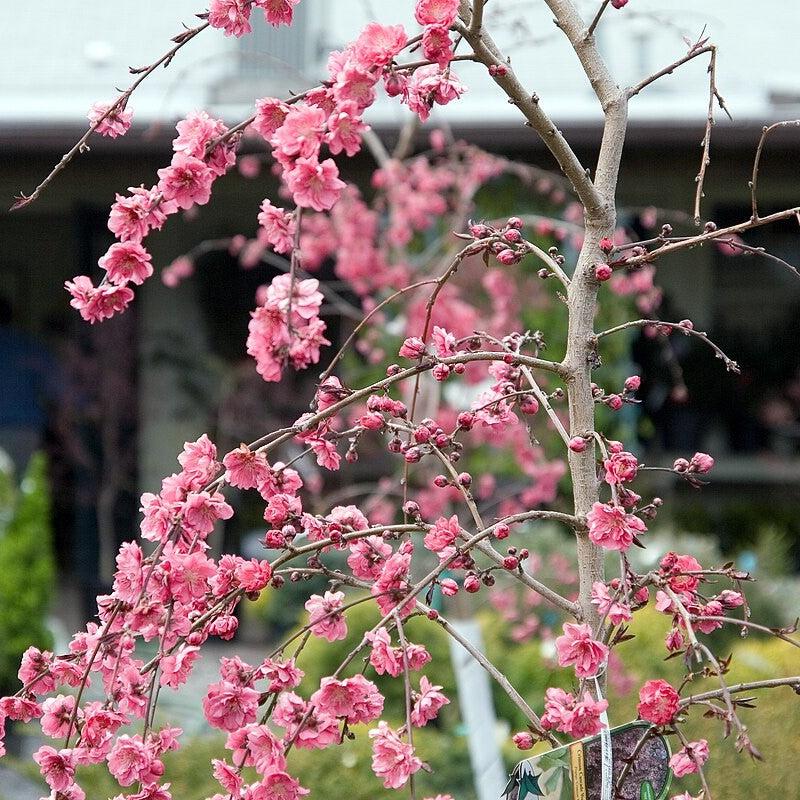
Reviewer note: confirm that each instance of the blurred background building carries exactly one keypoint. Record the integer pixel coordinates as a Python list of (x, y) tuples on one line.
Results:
[(124, 412)]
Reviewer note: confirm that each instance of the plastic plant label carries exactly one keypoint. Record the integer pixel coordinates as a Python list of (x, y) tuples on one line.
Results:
[(574, 772)]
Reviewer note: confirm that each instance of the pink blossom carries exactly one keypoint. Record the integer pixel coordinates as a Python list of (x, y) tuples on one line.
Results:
[(115, 124), (97, 303), (429, 85), (367, 556), (378, 44), (228, 706), (278, 226), (126, 261), (318, 731), (187, 181), (232, 16), (392, 759), (276, 786), (345, 128), (246, 468), (57, 766), (355, 699), (270, 115), (131, 761), (673, 565), (658, 702), (577, 647), (383, 657), (616, 611), (611, 527), (313, 184), (621, 467), (443, 534), (444, 342), (324, 615), (690, 758), (281, 675), (175, 668), (199, 460), (436, 12), (202, 509), (427, 703), (438, 47), (266, 752), (57, 715), (134, 216), (578, 718), (278, 12), (413, 347), (300, 135)]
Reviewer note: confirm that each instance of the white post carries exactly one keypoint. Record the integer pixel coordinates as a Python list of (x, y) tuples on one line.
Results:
[(477, 712)]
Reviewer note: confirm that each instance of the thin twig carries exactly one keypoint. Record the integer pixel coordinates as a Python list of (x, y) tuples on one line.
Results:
[(119, 104), (765, 132), (730, 364), (595, 22)]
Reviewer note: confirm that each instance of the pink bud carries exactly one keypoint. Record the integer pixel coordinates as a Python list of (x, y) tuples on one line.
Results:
[(441, 372), (466, 419), (619, 3), (413, 347), (614, 402), (687, 323), (602, 272), (577, 444), (449, 587), (413, 455), (510, 562), (502, 531), (440, 481), (606, 244), (515, 222), (701, 462), (472, 584), (633, 383), (528, 404), (680, 465), (512, 236), (614, 446), (507, 257), (523, 740)]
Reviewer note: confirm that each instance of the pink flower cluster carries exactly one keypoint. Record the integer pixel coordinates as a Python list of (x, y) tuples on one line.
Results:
[(286, 328), (233, 16), (196, 163), (575, 717)]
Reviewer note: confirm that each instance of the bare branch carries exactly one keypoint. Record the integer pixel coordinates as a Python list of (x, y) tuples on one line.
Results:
[(80, 146), (793, 682), (594, 23), (730, 364), (767, 130)]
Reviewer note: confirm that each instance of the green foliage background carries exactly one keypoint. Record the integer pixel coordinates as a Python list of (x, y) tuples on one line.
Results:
[(26, 568)]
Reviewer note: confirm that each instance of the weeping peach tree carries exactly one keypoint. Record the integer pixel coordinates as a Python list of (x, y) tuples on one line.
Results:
[(465, 382)]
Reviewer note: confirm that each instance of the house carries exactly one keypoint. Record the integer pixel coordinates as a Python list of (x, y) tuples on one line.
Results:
[(56, 61)]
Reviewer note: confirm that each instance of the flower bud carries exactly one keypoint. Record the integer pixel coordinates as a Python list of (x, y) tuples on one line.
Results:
[(472, 584), (577, 444), (701, 463), (633, 383), (602, 272), (449, 587), (523, 740)]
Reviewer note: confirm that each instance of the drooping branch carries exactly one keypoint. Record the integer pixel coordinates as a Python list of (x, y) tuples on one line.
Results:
[(181, 40)]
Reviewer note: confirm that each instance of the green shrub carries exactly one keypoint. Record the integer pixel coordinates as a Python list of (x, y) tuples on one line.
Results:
[(27, 569)]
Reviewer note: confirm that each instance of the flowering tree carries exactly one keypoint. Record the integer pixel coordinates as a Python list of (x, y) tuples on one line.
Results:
[(438, 535)]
